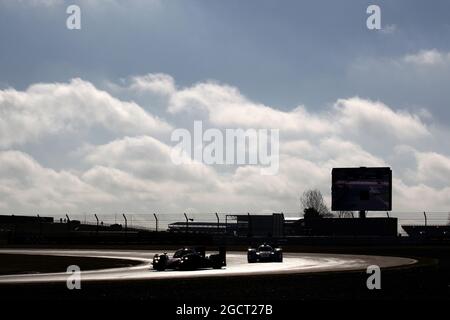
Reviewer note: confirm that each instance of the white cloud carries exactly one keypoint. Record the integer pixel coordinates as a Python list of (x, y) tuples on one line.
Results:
[(366, 117), (433, 168), (420, 197), (148, 158), (225, 106), (154, 82), (133, 170), (428, 58), (26, 185), (49, 109), (416, 81)]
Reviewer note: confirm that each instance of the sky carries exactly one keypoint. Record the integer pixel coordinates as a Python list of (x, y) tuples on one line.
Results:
[(86, 115)]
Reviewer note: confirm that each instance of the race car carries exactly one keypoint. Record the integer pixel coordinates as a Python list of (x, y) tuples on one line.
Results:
[(264, 253), (190, 259)]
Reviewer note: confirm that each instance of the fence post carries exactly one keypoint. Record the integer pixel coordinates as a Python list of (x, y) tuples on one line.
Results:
[(218, 222), (249, 226), (126, 227), (156, 220), (187, 222), (425, 215), (40, 227), (68, 221), (226, 224), (126, 221), (96, 218)]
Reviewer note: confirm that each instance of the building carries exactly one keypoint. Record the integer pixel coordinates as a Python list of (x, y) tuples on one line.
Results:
[(198, 227), (259, 225), (343, 227), (238, 225), (277, 226), (438, 232)]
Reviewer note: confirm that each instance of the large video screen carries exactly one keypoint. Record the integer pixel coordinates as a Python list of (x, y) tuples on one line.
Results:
[(356, 189)]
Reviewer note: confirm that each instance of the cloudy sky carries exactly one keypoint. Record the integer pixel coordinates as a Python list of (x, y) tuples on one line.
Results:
[(86, 115)]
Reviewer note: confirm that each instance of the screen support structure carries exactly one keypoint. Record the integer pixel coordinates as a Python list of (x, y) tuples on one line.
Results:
[(362, 214)]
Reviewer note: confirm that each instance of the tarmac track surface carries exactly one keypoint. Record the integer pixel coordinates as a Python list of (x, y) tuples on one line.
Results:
[(293, 263)]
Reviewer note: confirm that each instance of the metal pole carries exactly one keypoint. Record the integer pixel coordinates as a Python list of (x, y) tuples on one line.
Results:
[(249, 225), (226, 224), (68, 222), (40, 226), (425, 215), (126, 221), (95, 215), (218, 222), (156, 219), (187, 222)]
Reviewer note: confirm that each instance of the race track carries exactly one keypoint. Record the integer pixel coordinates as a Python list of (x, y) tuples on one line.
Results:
[(236, 265)]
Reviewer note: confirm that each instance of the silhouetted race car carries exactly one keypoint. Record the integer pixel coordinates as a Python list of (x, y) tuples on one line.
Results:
[(264, 253), (190, 259)]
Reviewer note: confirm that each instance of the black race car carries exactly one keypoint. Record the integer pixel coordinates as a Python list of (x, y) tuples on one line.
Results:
[(190, 259), (264, 253)]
